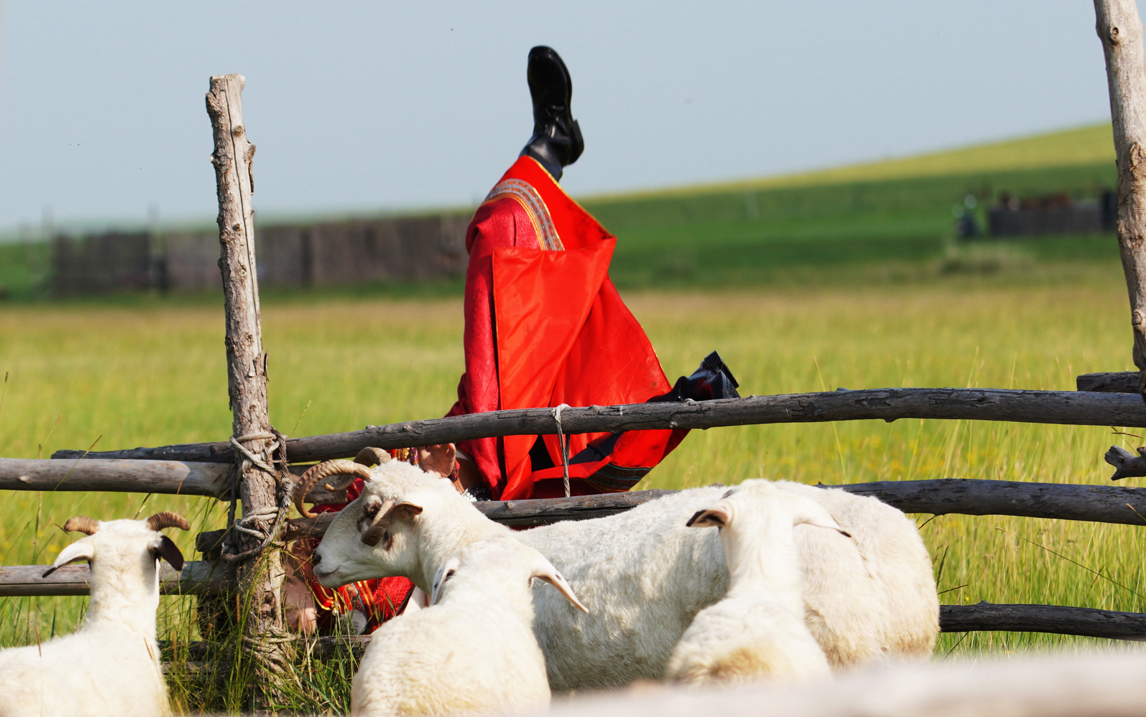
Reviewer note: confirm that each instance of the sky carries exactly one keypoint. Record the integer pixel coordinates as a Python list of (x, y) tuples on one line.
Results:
[(369, 106)]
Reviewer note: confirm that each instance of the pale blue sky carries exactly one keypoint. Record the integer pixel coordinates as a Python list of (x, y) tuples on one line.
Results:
[(364, 105)]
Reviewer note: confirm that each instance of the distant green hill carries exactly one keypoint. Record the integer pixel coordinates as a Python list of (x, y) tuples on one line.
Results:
[(852, 223), (1089, 145)]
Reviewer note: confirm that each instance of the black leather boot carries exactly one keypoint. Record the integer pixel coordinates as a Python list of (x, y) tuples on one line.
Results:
[(556, 140), (711, 381)]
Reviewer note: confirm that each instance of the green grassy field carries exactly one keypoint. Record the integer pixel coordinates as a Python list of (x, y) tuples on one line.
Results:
[(886, 221), (156, 375), (855, 285)]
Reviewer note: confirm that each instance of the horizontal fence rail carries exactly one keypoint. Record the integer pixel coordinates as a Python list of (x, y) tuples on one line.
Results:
[(1084, 621), (941, 496), (132, 476), (205, 578), (1055, 501), (983, 617), (1105, 504), (888, 404), (116, 476), (196, 578)]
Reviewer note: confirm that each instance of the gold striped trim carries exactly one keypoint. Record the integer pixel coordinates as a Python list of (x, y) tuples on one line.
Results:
[(525, 195)]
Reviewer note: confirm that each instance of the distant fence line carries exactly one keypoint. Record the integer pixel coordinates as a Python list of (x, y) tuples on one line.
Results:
[(1057, 214), (343, 253)]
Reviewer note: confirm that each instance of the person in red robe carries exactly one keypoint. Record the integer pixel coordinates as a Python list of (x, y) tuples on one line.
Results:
[(544, 327)]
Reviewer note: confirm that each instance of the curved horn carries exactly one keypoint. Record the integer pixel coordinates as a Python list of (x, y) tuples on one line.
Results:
[(325, 470), (371, 456), (159, 521), (82, 524)]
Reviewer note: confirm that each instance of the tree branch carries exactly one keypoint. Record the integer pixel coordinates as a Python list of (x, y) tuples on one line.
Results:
[(1126, 464)]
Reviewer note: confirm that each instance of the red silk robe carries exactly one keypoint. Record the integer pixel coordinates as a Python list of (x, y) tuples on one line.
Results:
[(544, 325)]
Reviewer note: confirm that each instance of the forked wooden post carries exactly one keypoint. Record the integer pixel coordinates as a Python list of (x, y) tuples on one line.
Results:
[(1120, 30), (264, 644)]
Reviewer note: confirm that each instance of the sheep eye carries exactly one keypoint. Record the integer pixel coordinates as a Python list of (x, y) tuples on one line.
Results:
[(372, 509)]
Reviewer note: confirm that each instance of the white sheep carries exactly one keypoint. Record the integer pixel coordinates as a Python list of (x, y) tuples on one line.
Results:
[(473, 651), (757, 631), (110, 665), (642, 572)]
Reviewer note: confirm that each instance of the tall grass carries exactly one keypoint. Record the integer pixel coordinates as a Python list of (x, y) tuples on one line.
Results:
[(152, 374)]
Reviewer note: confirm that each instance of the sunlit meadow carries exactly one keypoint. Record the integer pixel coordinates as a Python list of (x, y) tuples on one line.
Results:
[(83, 375)]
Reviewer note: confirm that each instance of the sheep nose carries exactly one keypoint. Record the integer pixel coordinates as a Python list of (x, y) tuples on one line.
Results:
[(316, 559)]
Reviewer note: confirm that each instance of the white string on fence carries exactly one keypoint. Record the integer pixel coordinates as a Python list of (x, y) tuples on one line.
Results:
[(556, 412)]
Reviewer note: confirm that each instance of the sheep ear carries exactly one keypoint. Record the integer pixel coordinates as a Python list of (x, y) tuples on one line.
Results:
[(544, 570), (714, 517), (169, 552), (441, 577), (79, 550), (819, 518), (406, 509)]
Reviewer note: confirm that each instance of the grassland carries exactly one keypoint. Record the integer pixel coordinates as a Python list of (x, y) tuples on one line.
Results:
[(886, 221), (801, 287), (156, 375)]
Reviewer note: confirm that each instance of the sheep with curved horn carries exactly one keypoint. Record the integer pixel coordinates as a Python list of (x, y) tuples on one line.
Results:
[(110, 665), (647, 575)]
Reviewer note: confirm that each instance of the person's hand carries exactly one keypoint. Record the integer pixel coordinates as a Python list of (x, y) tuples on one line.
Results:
[(438, 459)]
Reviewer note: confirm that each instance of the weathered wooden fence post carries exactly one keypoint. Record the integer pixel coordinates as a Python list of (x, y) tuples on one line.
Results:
[(265, 644), (1120, 30)]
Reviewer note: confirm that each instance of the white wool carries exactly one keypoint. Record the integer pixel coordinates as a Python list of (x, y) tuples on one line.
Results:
[(645, 576), (471, 652), (757, 631), (110, 665)]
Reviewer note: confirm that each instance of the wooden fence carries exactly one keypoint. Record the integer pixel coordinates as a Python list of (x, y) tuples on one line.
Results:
[(328, 253), (1106, 504)]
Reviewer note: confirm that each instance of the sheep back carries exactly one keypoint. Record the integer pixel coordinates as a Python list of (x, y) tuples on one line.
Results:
[(479, 660), (56, 679), (744, 639), (644, 576), (905, 602)]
